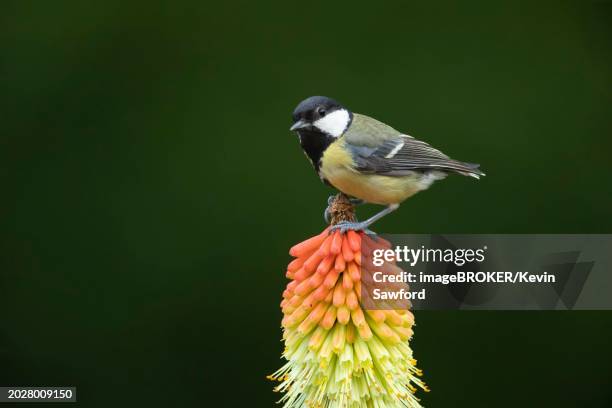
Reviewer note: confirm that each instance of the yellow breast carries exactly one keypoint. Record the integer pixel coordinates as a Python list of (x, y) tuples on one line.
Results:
[(337, 167)]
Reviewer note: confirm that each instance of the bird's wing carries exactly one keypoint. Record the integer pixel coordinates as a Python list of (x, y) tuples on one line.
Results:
[(402, 155)]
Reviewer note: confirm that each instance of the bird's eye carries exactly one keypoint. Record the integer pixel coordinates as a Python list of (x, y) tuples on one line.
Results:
[(321, 112)]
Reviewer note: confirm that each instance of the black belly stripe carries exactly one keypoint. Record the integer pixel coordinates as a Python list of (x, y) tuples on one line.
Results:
[(314, 144)]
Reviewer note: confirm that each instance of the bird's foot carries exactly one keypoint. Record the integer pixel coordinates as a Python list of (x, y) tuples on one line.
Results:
[(345, 226), (327, 215), (327, 212)]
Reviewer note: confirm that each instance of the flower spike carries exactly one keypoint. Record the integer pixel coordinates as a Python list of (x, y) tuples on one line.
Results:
[(338, 354)]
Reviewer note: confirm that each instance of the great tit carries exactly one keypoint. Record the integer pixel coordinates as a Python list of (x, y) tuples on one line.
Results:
[(367, 159)]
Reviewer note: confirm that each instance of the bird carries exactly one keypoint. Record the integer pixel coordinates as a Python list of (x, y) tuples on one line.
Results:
[(368, 160)]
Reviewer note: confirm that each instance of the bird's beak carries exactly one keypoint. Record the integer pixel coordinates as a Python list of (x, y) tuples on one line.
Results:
[(298, 125)]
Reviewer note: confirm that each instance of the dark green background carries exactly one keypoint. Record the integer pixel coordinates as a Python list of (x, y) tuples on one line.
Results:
[(151, 189)]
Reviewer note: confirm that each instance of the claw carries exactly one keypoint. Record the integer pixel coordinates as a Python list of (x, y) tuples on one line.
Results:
[(327, 212), (345, 226)]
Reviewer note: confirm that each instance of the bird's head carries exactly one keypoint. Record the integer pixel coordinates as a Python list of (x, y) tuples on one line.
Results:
[(321, 114)]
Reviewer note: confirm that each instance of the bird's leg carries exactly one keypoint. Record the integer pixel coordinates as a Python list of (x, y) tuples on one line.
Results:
[(364, 225), (330, 200)]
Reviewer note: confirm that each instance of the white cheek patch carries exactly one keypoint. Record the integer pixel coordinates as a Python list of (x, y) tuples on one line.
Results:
[(334, 123)]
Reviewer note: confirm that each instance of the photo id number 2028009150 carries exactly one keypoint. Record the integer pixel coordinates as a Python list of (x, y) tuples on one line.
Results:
[(37, 394)]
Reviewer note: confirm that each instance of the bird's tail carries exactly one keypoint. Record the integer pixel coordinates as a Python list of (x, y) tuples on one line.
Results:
[(469, 169)]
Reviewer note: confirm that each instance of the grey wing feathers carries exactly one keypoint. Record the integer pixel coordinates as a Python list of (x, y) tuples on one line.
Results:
[(403, 155)]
